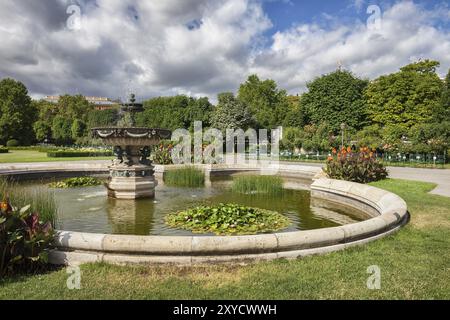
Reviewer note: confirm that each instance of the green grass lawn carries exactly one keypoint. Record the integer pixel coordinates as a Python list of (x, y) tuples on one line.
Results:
[(14, 156), (414, 264)]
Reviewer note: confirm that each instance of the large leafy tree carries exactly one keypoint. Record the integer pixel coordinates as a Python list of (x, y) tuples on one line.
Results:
[(62, 130), (174, 112), (336, 98), (265, 100), (231, 113), (46, 113), (17, 114), (405, 98)]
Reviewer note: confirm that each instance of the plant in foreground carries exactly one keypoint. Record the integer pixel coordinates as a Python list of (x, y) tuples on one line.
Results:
[(362, 166), (24, 239), (228, 219)]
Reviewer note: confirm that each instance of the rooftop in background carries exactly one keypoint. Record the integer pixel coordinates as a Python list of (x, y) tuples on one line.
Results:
[(100, 103)]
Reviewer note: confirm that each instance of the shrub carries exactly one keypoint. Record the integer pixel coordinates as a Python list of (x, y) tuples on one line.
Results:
[(226, 219), (362, 166), (4, 150), (24, 239), (258, 184), (12, 143), (185, 177), (81, 153), (76, 182), (162, 153)]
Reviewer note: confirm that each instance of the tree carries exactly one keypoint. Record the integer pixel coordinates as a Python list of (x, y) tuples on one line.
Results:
[(174, 112), (231, 113), (102, 118), (62, 130), (17, 114), (443, 113), (405, 98), (336, 98), (265, 101), (46, 113), (78, 129)]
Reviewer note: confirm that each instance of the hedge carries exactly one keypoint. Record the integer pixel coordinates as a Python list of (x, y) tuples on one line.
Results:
[(72, 154), (4, 150)]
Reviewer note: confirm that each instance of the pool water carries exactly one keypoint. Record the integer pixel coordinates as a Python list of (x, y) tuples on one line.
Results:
[(88, 209)]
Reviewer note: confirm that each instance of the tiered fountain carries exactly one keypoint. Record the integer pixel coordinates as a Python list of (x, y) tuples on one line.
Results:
[(131, 173)]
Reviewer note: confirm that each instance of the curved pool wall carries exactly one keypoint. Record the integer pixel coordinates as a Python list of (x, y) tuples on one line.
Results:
[(387, 212)]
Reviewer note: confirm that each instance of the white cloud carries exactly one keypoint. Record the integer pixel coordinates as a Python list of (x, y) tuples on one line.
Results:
[(158, 54)]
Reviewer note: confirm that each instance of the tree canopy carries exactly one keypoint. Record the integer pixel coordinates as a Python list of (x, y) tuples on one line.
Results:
[(17, 114), (405, 98), (336, 98), (265, 101), (231, 113)]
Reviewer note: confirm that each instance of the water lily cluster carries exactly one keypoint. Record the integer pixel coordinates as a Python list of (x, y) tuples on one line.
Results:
[(228, 219), (358, 166)]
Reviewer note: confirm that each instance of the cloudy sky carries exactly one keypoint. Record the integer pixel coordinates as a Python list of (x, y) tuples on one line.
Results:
[(202, 47)]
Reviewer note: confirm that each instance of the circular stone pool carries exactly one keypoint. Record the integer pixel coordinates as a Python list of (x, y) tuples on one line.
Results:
[(88, 209)]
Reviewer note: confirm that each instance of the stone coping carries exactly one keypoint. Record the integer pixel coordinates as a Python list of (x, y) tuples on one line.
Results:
[(388, 213)]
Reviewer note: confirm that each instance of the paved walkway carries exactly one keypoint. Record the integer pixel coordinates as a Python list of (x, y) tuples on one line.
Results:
[(439, 176)]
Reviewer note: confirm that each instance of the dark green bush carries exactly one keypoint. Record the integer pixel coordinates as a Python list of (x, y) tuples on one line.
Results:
[(12, 143), (72, 154), (4, 150), (226, 219)]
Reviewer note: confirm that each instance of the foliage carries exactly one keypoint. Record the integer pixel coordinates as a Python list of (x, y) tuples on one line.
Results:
[(228, 219), (17, 114), (62, 130), (336, 98), (12, 143), (78, 129), (174, 112), (405, 98), (265, 101), (292, 138), (162, 153), (185, 177), (258, 184), (67, 153), (102, 118), (4, 150), (24, 239), (231, 113), (76, 182), (362, 166)]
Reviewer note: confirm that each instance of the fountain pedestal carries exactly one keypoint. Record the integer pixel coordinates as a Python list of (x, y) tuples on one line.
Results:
[(131, 182)]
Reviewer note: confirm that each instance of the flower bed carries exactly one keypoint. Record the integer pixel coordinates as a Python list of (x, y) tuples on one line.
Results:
[(362, 166)]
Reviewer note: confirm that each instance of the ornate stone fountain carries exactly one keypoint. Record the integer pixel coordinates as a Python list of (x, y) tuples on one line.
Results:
[(131, 173)]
